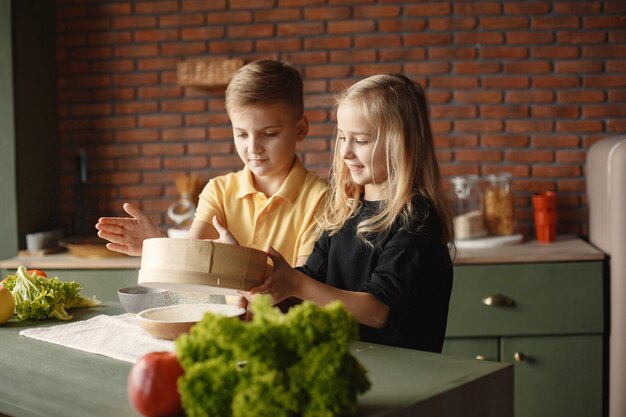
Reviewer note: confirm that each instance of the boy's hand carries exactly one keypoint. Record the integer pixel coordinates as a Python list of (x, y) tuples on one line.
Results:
[(126, 234), (281, 282), (225, 235)]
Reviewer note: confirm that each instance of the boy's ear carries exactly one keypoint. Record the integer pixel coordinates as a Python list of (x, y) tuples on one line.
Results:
[(303, 128)]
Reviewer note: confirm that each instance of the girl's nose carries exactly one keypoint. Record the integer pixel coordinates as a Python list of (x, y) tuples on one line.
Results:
[(345, 150)]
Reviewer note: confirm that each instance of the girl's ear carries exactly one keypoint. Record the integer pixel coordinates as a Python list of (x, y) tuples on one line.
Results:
[(303, 128)]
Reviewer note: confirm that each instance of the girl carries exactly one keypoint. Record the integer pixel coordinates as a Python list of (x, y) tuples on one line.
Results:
[(383, 251)]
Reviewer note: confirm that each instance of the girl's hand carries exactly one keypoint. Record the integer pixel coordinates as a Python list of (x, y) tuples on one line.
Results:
[(225, 235), (244, 301), (281, 281), (126, 234)]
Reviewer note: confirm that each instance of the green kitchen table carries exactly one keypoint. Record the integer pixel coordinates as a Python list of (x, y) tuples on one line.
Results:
[(44, 379)]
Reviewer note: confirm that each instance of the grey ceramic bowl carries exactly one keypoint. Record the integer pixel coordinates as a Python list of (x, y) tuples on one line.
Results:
[(136, 299)]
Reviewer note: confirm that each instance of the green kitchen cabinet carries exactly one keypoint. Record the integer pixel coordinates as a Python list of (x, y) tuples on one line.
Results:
[(481, 348), (556, 375), (547, 318)]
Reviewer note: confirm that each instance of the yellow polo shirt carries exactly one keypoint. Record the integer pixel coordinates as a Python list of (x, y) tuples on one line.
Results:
[(286, 220)]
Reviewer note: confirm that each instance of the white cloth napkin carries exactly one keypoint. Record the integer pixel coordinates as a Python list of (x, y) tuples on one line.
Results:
[(118, 337)]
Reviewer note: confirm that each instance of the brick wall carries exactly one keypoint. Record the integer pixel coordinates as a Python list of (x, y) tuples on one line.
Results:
[(523, 87)]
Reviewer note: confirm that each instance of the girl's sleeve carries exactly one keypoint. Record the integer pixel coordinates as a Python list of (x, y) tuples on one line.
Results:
[(316, 265), (399, 267), (413, 278)]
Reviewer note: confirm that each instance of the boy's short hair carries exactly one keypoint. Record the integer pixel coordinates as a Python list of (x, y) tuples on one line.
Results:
[(266, 81)]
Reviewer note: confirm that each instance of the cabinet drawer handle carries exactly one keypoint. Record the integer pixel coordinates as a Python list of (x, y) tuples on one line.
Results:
[(481, 357), (519, 357), (498, 300)]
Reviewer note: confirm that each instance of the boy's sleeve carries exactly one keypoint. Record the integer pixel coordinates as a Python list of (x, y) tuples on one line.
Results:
[(307, 240), (310, 233), (208, 203)]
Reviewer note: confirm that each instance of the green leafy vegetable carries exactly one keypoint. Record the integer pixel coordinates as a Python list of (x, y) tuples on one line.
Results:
[(38, 298), (279, 365)]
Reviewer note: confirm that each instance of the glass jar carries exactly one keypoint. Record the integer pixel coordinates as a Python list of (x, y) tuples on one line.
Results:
[(467, 207), (499, 215)]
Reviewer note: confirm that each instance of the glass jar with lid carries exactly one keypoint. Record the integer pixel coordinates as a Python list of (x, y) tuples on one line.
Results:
[(467, 207), (498, 195)]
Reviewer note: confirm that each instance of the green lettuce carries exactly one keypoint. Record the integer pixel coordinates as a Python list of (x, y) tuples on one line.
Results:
[(279, 365), (38, 298)]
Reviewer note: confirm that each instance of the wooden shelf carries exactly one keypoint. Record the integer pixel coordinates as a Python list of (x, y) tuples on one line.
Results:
[(215, 72)]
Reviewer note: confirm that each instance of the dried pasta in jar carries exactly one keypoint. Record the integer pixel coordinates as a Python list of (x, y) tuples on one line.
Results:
[(498, 200)]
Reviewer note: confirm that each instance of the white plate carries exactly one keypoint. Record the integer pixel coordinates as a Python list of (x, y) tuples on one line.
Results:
[(185, 313), (169, 322), (489, 242)]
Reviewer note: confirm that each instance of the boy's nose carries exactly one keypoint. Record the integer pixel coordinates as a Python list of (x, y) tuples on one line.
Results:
[(254, 145)]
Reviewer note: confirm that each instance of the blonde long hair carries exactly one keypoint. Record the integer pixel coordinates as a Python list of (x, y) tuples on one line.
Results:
[(398, 114)]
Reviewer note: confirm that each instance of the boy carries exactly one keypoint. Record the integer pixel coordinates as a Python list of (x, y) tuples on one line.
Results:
[(273, 199)]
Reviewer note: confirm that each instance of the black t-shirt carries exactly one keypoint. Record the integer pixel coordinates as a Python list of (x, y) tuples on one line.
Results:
[(410, 271)]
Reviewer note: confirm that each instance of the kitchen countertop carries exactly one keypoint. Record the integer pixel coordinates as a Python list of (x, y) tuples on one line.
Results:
[(45, 379), (68, 261), (565, 248)]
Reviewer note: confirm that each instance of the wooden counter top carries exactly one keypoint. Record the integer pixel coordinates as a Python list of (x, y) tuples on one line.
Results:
[(563, 249), (67, 261)]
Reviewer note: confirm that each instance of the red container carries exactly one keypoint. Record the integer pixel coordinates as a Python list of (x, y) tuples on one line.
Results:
[(545, 201), (545, 234), (545, 225), (545, 216)]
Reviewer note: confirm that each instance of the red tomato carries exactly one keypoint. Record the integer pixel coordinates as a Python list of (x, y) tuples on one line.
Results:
[(38, 272), (152, 385)]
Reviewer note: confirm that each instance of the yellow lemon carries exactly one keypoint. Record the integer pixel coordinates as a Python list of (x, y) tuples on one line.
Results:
[(7, 305)]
